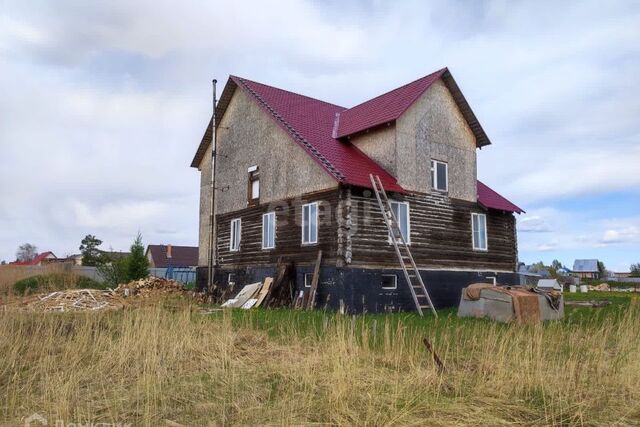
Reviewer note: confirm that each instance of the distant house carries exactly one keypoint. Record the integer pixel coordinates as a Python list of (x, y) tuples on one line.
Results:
[(41, 259), (622, 275), (586, 269), (164, 256), (549, 284), (76, 259)]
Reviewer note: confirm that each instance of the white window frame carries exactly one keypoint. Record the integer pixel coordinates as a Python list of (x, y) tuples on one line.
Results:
[(408, 237), (235, 227), (229, 281), (272, 231), (310, 276), (255, 189), (304, 223), (434, 175), (395, 281), (476, 246)]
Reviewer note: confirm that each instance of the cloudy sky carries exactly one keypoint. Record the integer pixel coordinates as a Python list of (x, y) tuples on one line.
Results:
[(102, 105)]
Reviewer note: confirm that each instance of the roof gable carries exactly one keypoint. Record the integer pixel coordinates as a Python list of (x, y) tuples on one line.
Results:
[(389, 106), (585, 266), (317, 126)]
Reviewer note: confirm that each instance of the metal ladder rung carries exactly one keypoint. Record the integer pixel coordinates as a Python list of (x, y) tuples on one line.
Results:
[(398, 241)]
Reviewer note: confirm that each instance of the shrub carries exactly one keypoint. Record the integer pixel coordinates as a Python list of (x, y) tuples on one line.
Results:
[(55, 282), (26, 286)]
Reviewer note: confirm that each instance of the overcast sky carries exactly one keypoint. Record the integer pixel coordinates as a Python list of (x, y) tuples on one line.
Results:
[(102, 105)]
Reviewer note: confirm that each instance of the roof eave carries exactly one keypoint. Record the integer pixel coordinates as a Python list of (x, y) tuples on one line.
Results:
[(481, 137), (221, 107)]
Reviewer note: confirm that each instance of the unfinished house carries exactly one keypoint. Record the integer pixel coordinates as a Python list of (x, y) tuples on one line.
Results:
[(293, 178)]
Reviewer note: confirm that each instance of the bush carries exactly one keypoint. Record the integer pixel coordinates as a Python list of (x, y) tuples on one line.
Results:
[(26, 286), (55, 282)]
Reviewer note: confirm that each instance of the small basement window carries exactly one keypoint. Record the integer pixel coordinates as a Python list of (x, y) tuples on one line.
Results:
[(479, 231), (253, 192), (231, 279), (439, 175), (308, 278), (234, 240), (389, 281)]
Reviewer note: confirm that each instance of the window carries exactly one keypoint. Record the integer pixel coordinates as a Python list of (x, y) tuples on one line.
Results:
[(253, 192), (234, 241), (310, 223), (269, 230), (401, 212), (308, 278), (479, 229), (231, 279), (439, 175), (389, 281)]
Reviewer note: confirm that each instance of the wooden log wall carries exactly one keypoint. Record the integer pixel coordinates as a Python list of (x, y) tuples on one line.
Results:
[(440, 233), (288, 235)]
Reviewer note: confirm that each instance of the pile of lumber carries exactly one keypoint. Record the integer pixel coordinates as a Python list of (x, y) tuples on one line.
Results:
[(277, 292), (150, 286), (75, 300)]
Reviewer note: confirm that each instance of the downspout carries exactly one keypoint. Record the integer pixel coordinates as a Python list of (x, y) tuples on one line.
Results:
[(213, 259)]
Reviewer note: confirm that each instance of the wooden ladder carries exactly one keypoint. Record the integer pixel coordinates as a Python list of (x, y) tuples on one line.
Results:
[(419, 292)]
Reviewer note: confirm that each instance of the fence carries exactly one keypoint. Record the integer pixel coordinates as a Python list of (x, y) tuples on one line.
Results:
[(9, 274)]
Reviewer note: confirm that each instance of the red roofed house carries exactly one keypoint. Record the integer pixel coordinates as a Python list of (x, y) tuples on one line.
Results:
[(292, 177), (40, 259)]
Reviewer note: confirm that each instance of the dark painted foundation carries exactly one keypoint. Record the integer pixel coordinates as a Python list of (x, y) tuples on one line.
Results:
[(360, 290)]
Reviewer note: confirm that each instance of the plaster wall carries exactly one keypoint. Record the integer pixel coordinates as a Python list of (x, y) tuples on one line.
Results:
[(380, 145), (434, 128), (248, 136)]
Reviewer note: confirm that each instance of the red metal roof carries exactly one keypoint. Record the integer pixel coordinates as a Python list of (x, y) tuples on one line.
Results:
[(316, 126), (384, 108), (310, 123), (490, 199), (35, 261)]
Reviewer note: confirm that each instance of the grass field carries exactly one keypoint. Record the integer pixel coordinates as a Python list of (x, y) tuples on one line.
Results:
[(167, 362)]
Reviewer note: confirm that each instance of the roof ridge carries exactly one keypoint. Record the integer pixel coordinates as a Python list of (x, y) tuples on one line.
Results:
[(442, 70), (294, 132), (289, 91)]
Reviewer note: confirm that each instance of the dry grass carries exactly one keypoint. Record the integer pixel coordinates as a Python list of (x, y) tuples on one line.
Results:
[(10, 274), (159, 363)]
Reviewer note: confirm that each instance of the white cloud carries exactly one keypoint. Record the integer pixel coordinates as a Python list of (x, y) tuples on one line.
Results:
[(103, 104)]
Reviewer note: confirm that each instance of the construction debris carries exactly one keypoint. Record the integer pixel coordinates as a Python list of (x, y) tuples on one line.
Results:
[(602, 287), (75, 300), (150, 286), (127, 294), (592, 304), (271, 292)]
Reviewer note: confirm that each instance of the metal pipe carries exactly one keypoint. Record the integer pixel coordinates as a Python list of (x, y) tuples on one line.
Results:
[(212, 261)]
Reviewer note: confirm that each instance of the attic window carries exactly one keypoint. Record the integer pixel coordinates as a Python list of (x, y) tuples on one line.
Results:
[(253, 191), (439, 175)]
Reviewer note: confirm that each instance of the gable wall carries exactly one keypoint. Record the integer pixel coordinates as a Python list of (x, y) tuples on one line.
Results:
[(434, 128), (248, 136), (380, 145)]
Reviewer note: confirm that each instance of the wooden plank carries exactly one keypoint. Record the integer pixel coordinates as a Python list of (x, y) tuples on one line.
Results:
[(264, 291), (314, 283)]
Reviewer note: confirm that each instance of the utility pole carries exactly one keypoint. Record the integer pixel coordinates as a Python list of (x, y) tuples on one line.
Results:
[(213, 259)]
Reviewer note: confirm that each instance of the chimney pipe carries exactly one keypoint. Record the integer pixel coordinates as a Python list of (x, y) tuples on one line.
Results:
[(169, 251)]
